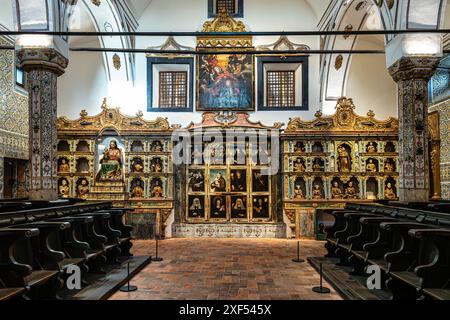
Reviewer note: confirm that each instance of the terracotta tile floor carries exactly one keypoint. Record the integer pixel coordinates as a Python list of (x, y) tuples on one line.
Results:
[(227, 269)]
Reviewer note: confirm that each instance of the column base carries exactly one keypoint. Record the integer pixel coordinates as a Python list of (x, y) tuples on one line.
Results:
[(414, 195)]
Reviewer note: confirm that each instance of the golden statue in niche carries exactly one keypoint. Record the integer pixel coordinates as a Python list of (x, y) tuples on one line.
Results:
[(389, 192), (64, 166), (298, 192), (111, 164), (83, 189), (336, 192), (64, 189), (157, 190), (138, 190), (299, 165), (389, 166), (137, 165), (371, 148), (317, 193), (350, 191), (371, 166), (344, 162), (317, 166)]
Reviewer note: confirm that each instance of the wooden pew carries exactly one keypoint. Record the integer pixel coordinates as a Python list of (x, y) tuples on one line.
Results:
[(360, 243), (339, 225), (102, 226), (82, 241), (429, 272), (352, 228), (118, 223), (21, 267)]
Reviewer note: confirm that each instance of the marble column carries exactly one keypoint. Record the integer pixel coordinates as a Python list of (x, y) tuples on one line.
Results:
[(43, 66), (2, 177), (412, 75)]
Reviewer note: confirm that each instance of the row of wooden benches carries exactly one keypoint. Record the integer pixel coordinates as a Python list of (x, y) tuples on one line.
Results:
[(37, 247), (410, 246)]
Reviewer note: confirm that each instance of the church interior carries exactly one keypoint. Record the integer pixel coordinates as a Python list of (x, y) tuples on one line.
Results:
[(224, 150)]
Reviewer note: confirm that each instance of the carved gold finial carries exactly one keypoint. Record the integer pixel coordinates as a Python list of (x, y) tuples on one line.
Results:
[(371, 114), (318, 114), (105, 104), (139, 114), (223, 23), (83, 113), (116, 61)]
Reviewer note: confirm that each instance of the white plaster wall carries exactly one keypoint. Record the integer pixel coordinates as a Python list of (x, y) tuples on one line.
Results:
[(84, 84), (6, 14), (369, 82)]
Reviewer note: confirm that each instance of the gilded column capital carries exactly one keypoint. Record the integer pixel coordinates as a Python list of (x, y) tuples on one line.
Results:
[(47, 59), (414, 68)]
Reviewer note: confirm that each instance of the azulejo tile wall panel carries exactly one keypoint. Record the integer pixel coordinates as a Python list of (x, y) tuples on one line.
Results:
[(13, 109), (444, 123)]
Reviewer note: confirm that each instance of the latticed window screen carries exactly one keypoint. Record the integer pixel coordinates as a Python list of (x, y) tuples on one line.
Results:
[(173, 89), (280, 88), (229, 5)]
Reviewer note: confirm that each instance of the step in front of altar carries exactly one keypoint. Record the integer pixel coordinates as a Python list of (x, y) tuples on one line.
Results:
[(229, 230)]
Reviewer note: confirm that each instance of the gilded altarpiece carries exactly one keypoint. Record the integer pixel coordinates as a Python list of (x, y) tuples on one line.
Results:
[(337, 159), (118, 158), (227, 189)]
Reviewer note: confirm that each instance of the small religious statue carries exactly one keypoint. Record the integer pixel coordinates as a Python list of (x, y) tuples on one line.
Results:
[(389, 166), (371, 167), (298, 192), (138, 190), (137, 165), (350, 191), (64, 189), (157, 190), (344, 162), (156, 165), (157, 146), (83, 189), (389, 192), (218, 185), (299, 147), (317, 193), (336, 192), (299, 166), (111, 163), (371, 148), (64, 166), (316, 166)]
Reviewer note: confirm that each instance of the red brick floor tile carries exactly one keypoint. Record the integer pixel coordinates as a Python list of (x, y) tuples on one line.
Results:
[(226, 269)]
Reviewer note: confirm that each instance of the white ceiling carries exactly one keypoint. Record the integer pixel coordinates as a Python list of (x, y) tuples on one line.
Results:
[(138, 6)]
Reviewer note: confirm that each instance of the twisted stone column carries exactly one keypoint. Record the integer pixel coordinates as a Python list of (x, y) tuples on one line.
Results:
[(43, 67), (412, 75)]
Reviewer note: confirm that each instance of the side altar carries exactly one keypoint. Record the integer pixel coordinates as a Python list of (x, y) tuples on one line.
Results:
[(118, 158), (333, 160)]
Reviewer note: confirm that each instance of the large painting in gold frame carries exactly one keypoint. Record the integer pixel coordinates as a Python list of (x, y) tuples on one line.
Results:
[(225, 82)]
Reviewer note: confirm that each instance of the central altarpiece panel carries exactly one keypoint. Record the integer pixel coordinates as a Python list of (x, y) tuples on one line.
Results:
[(229, 185)]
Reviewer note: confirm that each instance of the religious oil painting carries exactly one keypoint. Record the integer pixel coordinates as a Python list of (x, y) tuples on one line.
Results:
[(225, 82), (196, 208)]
